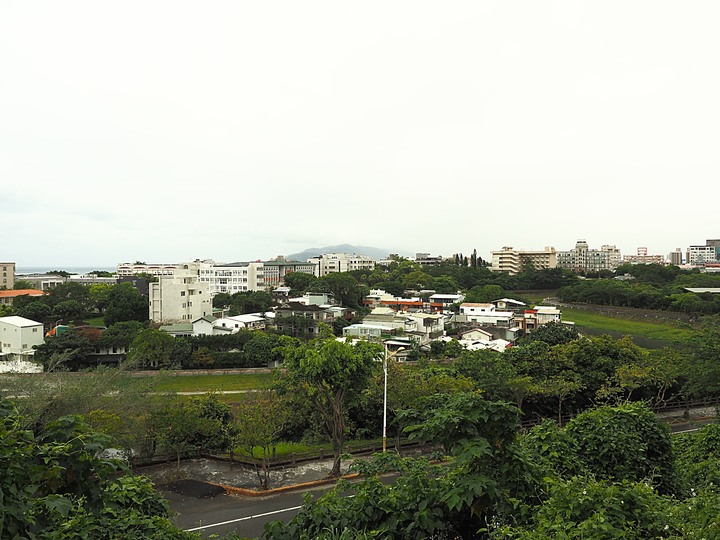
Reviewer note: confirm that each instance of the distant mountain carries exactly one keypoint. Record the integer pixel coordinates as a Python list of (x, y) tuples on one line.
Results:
[(375, 253)]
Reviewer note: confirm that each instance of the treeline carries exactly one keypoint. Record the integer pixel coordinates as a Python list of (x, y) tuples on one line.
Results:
[(151, 348), (650, 287)]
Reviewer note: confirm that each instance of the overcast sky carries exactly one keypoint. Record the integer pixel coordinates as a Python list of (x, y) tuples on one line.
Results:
[(167, 131)]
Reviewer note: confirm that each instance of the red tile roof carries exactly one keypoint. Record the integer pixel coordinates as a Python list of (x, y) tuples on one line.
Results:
[(13, 293)]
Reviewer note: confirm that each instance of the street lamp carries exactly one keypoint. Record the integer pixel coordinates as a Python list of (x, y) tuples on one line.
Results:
[(385, 370)]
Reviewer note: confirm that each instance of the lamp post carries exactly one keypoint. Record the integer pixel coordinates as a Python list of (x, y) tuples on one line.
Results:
[(385, 371)]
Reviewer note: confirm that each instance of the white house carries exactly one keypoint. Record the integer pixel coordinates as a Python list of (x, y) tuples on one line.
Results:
[(235, 323), (485, 314), (18, 335)]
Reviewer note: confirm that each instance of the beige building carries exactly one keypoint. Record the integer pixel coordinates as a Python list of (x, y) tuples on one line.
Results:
[(18, 335), (328, 263), (512, 261), (7, 275), (642, 257), (181, 297)]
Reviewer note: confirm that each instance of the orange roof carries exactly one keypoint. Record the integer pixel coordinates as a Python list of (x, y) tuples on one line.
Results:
[(12, 293)]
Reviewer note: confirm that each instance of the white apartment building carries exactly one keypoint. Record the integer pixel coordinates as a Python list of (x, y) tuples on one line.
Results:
[(232, 278), (181, 297), (511, 260), (7, 274), (583, 260), (699, 255), (18, 335), (328, 263), (155, 269)]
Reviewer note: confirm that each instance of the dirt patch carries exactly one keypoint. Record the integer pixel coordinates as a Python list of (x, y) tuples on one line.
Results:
[(225, 473)]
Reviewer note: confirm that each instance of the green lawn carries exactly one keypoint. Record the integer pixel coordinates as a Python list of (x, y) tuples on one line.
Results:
[(213, 383), (597, 323), (95, 321)]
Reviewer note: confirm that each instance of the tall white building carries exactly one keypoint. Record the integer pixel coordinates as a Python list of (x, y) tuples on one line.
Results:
[(328, 263), (181, 297), (701, 255), (232, 278)]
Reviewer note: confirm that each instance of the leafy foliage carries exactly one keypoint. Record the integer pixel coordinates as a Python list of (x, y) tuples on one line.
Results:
[(56, 484)]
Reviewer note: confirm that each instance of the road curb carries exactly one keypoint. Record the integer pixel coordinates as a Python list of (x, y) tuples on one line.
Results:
[(232, 490)]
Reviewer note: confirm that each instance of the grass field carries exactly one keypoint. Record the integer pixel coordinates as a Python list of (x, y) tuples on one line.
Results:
[(616, 326), (213, 383)]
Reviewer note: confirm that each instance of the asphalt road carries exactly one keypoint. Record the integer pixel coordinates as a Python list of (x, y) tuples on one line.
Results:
[(247, 515), (235, 513)]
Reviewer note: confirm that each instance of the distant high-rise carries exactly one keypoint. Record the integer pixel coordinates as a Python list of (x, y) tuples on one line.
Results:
[(7, 275), (676, 257)]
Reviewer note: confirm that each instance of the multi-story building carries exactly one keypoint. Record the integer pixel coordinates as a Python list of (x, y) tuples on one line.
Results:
[(19, 335), (642, 257), (676, 257), (7, 275), (512, 261), (158, 269), (328, 263), (232, 278), (300, 320), (700, 255), (181, 297), (716, 244), (583, 260), (425, 259), (43, 282), (276, 270)]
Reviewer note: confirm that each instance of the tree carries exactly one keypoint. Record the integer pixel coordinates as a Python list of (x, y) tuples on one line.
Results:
[(55, 483), (68, 311), (35, 311), (99, 293), (121, 334), (554, 333), (125, 303), (72, 347), (331, 373), (151, 348), (345, 288), (627, 442), (299, 281), (21, 284), (259, 421)]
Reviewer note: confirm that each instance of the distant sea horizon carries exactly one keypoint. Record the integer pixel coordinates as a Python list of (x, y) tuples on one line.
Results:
[(69, 269)]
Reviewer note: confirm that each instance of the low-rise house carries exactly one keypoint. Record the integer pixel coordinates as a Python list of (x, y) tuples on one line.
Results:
[(446, 300), (484, 314), (428, 325), (508, 304), (531, 319), (238, 322), (369, 332), (7, 297), (301, 320), (380, 298), (19, 335), (203, 326)]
